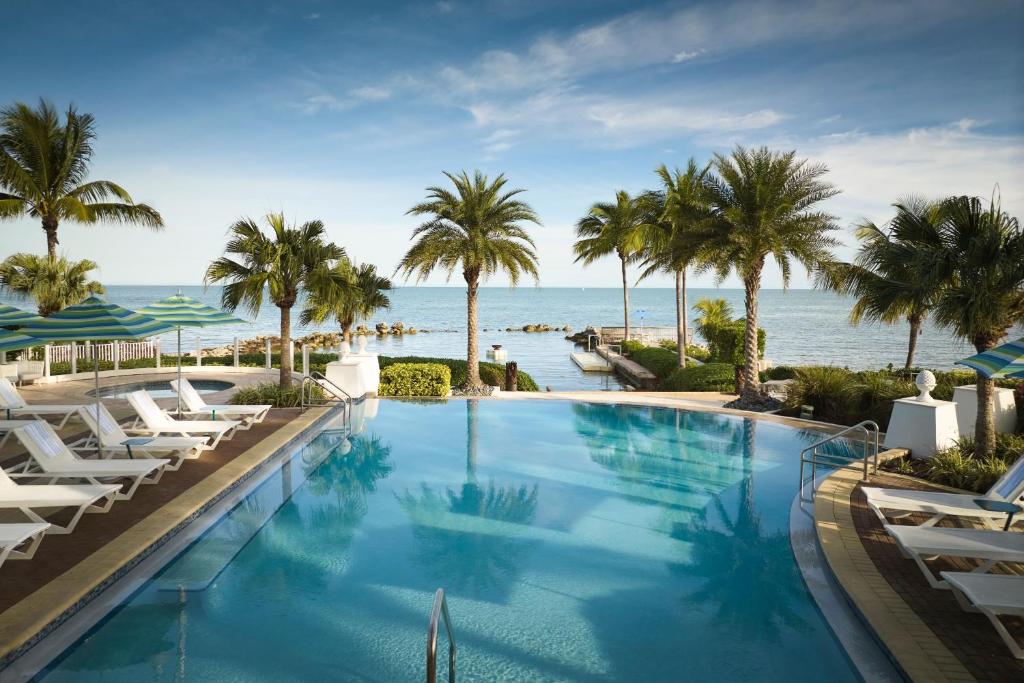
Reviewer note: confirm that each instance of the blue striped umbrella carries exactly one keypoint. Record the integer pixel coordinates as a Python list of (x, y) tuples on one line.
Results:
[(1003, 361), (13, 341), (184, 311), (96, 320), (15, 317)]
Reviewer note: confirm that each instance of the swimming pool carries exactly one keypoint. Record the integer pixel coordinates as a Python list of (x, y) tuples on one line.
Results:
[(575, 541), (161, 388)]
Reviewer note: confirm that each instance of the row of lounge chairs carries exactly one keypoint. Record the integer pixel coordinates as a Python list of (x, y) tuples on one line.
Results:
[(108, 464), (994, 595)]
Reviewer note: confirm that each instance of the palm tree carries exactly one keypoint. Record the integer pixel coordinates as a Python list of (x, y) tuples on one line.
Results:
[(53, 283), (975, 260), (712, 313), (478, 229), (671, 242), (43, 168), (613, 228), (363, 293), (290, 261), (882, 278), (762, 205)]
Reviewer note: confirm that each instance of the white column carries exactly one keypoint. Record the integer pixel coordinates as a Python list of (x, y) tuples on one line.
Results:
[(74, 358), (305, 360), (236, 352), (117, 355), (268, 365), (291, 352), (46, 360), (199, 352), (156, 352)]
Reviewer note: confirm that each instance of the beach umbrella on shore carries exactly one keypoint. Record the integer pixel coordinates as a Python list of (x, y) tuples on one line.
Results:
[(16, 317), (1001, 362), (95, 320), (184, 311)]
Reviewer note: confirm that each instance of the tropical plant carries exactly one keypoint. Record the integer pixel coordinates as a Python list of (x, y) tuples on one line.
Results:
[(712, 313), (975, 260), (44, 164), (613, 229), (290, 261), (477, 228), (672, 238), (53, 283), (882, 277), (762, 206), (363, 292)]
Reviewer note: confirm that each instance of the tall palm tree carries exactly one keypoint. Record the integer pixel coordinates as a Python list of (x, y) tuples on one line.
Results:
[(290, 261), (44, 164), (712, 313), (763, 206), (672, 239), (882, 277), (53, 283), (477, 228), (975, 260), (364, 292), (613, 229)]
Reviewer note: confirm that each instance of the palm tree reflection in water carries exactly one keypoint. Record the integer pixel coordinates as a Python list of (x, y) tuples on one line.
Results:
[(461, 534)]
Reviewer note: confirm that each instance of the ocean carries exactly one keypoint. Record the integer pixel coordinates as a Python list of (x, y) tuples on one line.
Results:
[(803, 326)]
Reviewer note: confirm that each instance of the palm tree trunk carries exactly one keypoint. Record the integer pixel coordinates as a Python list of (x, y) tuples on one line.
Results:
[(681, 316), (985, 424), (346, 332), (472, 438), (286, 338), (625, 299), (472, 353), (50, 227), (752, 382), (915, 330)]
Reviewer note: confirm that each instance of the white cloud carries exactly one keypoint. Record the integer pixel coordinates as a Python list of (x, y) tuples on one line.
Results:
[(684, 56), (371, 93)]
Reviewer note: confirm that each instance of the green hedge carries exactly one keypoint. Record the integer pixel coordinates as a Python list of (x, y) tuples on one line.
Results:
[(661, 362), (707, 377), (415, 379), (272, 394), (726, 342), (492, 374)]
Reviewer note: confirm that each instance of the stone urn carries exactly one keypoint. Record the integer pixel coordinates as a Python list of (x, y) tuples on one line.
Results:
[(345, 348), (925, 382), (362, 343)]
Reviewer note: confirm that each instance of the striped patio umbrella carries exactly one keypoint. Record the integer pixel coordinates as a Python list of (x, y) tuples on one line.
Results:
[(1003, 361), (184, 311), (14, 341), (15, 317), (95, 320)]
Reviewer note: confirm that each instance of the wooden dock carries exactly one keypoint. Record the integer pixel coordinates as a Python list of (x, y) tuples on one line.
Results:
[(588, 361)]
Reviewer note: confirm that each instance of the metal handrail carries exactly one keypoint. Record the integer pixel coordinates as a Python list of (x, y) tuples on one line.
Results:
[(870, 431), (318, 379), (440, 609)]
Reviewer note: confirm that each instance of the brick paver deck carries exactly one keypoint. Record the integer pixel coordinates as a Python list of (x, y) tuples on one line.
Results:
[(970, 637)]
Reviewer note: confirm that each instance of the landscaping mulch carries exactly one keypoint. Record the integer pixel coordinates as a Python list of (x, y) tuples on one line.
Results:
[(59, 553), (969, 636)]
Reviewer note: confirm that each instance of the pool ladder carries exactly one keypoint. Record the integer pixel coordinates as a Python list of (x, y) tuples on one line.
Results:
[(440, 610), (319, 380), (813, 456)]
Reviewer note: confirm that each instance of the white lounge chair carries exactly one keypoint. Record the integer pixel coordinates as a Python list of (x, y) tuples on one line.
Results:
[(29, 498), (899, 503), (14, 405), (19, 541), (994, 595), (248, 415), (52, 461), (989, 547), (109, 435), (154, 421)]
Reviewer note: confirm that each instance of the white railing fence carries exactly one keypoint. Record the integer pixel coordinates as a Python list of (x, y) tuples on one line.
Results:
[(124, 351)]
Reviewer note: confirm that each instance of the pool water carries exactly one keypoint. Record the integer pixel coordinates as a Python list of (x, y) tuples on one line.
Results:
[(575, 541), (162, 388)]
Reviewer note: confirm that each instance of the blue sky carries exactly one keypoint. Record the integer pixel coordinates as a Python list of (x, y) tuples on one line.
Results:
[(215, 110)]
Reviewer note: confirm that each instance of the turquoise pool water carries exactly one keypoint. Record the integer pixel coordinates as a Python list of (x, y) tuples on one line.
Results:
[(576, 542)]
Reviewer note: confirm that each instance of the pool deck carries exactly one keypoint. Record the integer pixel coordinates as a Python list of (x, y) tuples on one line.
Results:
[(927, 633), (69, 571)]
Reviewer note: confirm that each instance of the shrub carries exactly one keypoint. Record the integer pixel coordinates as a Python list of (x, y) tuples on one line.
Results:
[(415, 379), (490, 373), (273, 394), (707, 377), (781, 372), (725, 342), (661, 362), (698, 352), (630, 346)]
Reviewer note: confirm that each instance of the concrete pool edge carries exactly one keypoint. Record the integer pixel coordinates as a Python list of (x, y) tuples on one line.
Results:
[(911, 644), (35, 617)]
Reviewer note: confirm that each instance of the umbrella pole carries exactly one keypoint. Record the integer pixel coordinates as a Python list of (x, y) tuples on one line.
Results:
[(178, 392), (96, 376)]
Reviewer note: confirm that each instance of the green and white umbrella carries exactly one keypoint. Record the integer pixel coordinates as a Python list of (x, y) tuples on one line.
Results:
[(184, 311), (96, 320), (1001, 362), (16, 317)]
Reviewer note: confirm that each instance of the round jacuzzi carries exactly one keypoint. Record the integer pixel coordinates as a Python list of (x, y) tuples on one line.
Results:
[(161, 388)]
